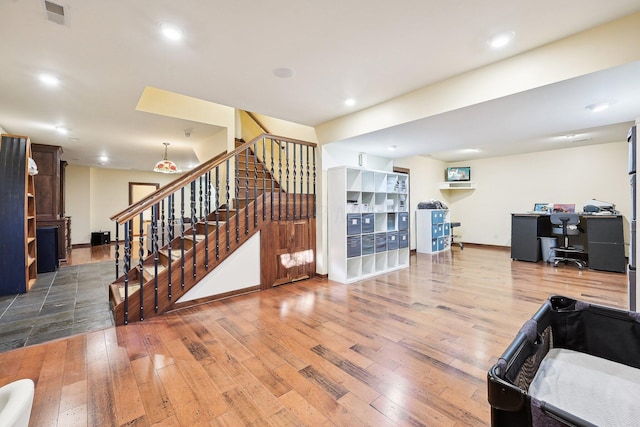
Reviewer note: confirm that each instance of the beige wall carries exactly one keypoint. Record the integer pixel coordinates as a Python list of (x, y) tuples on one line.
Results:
[(514, 183), (94, 194)]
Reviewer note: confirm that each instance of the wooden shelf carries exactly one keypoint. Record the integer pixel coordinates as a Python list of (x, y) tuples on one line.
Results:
[(458, 185)]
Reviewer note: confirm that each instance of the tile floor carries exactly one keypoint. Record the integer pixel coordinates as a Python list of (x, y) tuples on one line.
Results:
[(72, 300)]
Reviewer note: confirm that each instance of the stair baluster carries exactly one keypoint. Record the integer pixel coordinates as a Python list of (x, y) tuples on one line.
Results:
[(126, 259), (194, 220), (172, 231), (227, 201), (217, 195), (154, 240), (140, 261), (182, 195), (117, 251)]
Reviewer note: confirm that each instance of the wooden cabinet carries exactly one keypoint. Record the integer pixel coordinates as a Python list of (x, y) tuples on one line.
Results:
[(18, 269), (368, 226), (49, 184), (64, 234), (287, 252)]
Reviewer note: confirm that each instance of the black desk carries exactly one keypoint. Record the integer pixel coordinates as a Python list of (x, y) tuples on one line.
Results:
[(603, 239)]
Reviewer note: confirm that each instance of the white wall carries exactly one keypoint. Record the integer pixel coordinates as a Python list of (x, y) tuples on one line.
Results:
[(511, 184)]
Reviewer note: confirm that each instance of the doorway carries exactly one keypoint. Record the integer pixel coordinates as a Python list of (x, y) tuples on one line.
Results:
[(137, 192)]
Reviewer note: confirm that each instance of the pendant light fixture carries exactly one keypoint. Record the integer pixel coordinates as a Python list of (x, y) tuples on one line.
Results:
[(165, 165)]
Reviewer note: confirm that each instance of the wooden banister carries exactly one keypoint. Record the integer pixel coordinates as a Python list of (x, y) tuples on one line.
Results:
[(135, 209)]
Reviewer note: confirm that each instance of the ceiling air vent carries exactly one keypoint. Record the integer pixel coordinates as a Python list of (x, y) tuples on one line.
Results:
[(54, 12)]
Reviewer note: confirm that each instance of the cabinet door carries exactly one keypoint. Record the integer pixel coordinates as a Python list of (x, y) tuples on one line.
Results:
[(289, 252)]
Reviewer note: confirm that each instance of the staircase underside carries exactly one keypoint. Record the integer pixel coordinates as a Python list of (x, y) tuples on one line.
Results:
[(155, 288)]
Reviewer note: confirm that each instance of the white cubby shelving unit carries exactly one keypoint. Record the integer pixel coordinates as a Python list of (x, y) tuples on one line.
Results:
[(368, 222), (433, 230)]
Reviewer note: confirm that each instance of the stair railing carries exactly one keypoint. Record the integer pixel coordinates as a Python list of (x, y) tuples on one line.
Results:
[(251, 174)]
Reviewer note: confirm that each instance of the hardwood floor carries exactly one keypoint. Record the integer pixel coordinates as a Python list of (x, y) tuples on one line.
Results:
[(411, 347)]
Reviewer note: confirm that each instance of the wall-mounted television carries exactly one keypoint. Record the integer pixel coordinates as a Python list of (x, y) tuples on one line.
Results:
[(460, 173)]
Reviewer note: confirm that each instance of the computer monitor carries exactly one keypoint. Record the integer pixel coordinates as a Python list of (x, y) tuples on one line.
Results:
[(541, 208), (564, 207)]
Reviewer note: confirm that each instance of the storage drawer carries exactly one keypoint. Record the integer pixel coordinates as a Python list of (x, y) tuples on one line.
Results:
[(353, 246), (381, 242), (403, 239), (447, 229), (368, 223), (403, 221), (392, 241), (354, 224), (437, 217), (368, 244), (434, 245), (442, 243)]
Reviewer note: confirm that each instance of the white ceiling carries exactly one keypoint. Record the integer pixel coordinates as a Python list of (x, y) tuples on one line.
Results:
[(109, 51)]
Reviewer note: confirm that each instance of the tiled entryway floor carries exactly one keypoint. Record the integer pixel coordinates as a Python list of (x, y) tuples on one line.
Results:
[(72, 300)]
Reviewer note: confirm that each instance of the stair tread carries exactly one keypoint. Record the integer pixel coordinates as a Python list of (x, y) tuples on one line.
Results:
[(199, 237)]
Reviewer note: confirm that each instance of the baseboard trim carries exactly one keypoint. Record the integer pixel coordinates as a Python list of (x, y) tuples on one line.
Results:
[(211, 298)]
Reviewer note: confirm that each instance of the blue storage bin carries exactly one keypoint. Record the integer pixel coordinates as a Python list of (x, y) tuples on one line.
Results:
[(353, 246), (403, 239), (354, 224), (441, 241), (447, 229), (392, 241), (368, 244), (368, 222), (437, 217), (381, 242), (434, 245)]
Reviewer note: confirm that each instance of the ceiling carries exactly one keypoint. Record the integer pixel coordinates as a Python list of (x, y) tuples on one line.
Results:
[(107, 53)]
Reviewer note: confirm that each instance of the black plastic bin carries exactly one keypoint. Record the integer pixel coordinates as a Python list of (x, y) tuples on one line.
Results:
[(607, 334)]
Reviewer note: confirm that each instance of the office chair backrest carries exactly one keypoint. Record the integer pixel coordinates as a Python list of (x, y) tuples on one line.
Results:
[(561, 217)]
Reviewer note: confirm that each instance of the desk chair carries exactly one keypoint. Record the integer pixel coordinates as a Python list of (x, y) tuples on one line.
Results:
[(568, 226)]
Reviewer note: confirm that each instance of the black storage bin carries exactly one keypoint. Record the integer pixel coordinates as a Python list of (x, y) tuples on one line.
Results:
[(381, 242), (100, 238), (403, 239), (562, 324), (403, 221), (392, 241), (47, 249), (353, 246), (353, 224), (368, 244), (368, 222)]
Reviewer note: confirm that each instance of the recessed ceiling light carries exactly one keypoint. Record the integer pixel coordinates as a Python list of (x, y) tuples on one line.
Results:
[(171, 32), (62, 130), (349, 102), (501, 40), (49, 80), (598, 106), (392, 148), (103, 159), (283, 72)]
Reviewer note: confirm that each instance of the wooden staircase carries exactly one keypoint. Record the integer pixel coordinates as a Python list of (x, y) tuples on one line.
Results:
[(162, 275)]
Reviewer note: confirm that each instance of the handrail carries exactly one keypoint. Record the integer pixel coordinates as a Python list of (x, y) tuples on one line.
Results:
[(135, 209)]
